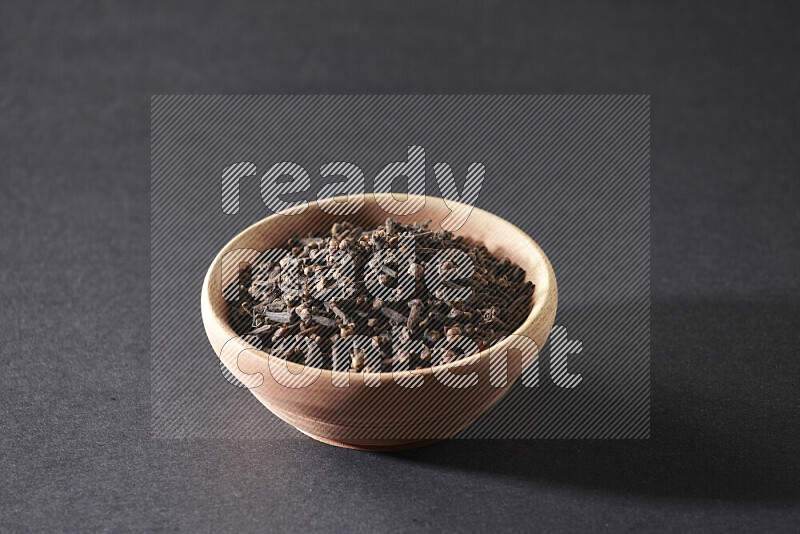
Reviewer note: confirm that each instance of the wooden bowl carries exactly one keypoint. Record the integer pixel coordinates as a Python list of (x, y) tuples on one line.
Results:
[(380, 411)]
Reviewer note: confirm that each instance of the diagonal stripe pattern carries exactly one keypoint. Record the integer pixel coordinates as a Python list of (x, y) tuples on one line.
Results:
[(572, 171)]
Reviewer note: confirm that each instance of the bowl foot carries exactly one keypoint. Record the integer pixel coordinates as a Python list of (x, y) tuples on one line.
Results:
[(376, 445)]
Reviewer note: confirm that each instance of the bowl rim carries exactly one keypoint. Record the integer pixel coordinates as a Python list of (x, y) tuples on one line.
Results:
[(550, 297)]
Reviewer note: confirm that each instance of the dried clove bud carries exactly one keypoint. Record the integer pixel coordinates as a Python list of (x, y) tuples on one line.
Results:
[(416, 270), (416, 306), (357, 358), (346, 330), (453, 333), (447, 266)]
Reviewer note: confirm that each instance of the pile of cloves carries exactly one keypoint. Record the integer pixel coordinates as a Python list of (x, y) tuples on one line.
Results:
[(400, 296)]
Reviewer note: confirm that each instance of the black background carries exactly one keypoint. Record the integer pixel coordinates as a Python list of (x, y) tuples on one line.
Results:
[(75, 439)]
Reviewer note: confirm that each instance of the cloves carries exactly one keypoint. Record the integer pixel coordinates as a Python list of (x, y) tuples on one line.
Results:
[(321, 293)]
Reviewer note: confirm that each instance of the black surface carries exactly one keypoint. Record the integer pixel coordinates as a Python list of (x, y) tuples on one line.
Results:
[(74, 404)]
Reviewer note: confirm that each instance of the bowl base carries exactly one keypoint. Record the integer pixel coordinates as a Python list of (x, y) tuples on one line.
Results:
[(376, 445)]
